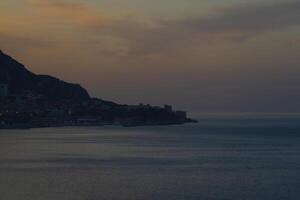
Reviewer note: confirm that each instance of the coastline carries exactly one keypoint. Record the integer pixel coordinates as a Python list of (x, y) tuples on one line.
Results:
[(125, 125)]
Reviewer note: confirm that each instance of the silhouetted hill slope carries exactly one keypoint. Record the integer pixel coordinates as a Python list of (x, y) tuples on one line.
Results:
[(20, 79)]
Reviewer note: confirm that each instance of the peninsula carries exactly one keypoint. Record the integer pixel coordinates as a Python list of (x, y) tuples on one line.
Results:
[(28, 100)]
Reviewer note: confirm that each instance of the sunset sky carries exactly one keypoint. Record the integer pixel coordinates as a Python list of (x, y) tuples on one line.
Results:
[(199, 55)]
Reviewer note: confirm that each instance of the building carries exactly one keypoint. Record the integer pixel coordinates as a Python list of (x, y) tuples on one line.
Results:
[(168, 108), (3, 90), (181, 115)]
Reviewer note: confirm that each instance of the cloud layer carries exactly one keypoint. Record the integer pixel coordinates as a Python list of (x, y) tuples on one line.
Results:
[(236, 23)]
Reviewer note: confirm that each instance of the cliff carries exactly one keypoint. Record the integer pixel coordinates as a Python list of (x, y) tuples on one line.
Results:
[(19, 79)]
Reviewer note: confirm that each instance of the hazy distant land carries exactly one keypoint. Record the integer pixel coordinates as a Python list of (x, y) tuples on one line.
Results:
[(29, 100)]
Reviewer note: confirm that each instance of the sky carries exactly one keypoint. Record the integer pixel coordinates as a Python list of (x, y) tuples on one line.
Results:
[(198, 55)]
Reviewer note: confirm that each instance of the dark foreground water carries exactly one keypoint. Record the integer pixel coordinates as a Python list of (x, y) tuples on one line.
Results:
[(223, 157)]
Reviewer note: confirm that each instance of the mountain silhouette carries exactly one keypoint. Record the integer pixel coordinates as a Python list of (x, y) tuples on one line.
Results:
[(19, 79)]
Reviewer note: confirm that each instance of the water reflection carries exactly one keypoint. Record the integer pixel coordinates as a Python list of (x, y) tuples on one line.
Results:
[(216, 159)]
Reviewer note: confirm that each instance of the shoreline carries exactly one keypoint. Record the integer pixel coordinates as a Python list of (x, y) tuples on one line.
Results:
[(28, 126)]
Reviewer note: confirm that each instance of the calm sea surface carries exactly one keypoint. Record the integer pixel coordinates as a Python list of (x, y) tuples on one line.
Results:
[(224, 157)]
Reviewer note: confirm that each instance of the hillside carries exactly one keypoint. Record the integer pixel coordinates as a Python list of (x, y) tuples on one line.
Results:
[(19, 79)]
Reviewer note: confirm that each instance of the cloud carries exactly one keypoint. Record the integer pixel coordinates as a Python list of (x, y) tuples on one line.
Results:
[(137, 36), (67, 10), (19, 43), (236, 23), (246, 18)]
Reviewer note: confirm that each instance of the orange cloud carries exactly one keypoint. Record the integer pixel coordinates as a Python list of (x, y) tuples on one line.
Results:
[(70, 11)]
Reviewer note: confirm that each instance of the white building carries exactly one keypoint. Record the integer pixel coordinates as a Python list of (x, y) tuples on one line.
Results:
[(3, 90)]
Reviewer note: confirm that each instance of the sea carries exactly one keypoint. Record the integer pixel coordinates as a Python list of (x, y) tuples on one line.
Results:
[(228, 156)]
